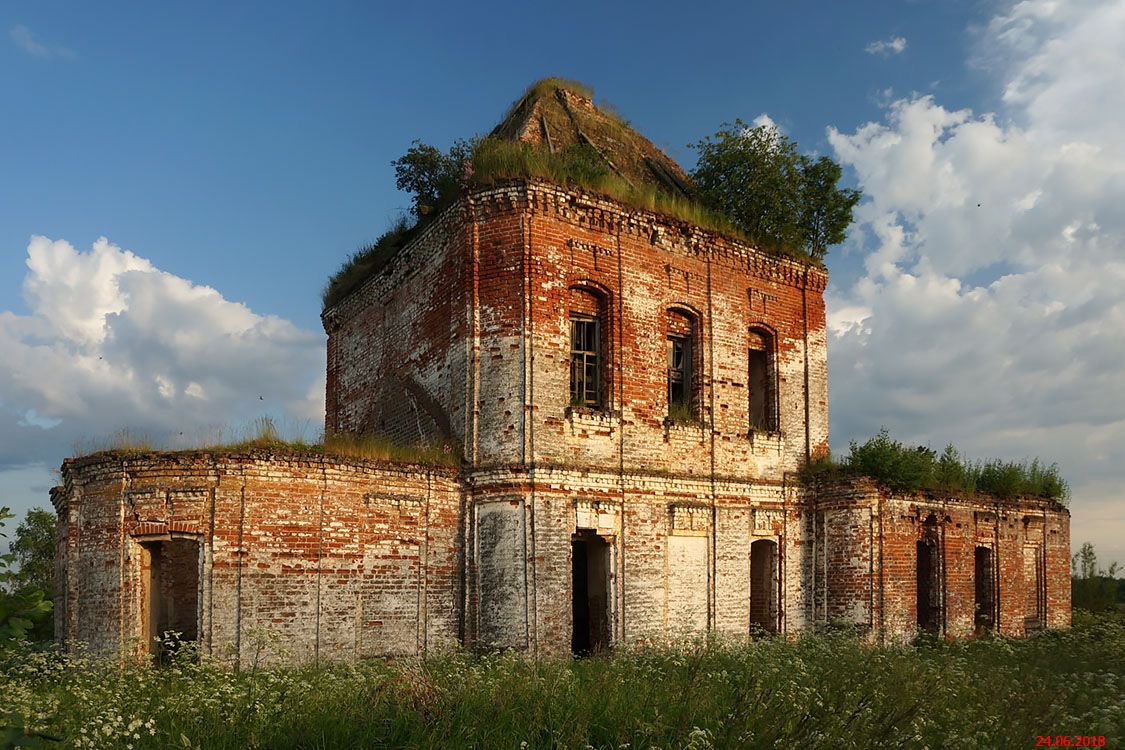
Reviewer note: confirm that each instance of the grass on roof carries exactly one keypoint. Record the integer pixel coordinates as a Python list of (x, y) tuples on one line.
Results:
[(906, 468), (367, 261), (263, 434), (497, 159)]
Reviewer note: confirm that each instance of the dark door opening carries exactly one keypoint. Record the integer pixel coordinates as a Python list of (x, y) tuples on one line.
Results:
[(763, 585), (170, 572), (929, 589), (590, 592), (984, 602)]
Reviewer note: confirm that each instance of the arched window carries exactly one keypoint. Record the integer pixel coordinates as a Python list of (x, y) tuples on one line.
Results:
[(589, 345), (684, 359), (762, 379)]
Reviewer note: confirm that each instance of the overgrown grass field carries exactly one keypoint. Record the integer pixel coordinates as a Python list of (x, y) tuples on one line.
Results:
[(821, 691)]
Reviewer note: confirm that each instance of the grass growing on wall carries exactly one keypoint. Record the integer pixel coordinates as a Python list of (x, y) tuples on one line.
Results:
[(264, 434), (909, 468), (821, 691), (496, 161)]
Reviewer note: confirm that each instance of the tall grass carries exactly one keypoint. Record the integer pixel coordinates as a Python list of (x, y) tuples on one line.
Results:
[(821, 691), (495, 160), (366, 261)]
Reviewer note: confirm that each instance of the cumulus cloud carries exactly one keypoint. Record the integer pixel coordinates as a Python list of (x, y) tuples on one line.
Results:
[(765, 121), (887, 47), (991, 307), (29, 43), (111, 341)]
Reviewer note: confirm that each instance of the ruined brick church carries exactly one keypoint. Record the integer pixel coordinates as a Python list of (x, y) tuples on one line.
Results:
[(633, 397)]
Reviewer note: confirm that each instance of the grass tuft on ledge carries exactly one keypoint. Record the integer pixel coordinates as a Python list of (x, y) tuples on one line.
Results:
[(264, 434)]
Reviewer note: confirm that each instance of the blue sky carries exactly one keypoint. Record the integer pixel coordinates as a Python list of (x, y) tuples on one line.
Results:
[(240, 151), (221, 136)]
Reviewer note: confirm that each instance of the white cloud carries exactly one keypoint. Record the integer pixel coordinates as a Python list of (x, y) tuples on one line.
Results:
[(111, 342), (765, 121), (27, 41), (886, 47), (991, 310)]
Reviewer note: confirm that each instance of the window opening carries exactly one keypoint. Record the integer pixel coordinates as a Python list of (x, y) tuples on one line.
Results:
[(763, 585), (680, 378), (928, 587), (584, 364), (760, 381)]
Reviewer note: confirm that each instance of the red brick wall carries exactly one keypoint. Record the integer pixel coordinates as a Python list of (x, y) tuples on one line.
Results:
[(397, 345), (477, 311), (335, 558), (877, 559)]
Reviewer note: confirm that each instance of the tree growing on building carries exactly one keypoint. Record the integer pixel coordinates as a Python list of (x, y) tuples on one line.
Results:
[(779, 197)]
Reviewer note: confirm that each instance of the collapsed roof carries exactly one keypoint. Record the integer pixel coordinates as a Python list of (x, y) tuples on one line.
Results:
[(556, 114)]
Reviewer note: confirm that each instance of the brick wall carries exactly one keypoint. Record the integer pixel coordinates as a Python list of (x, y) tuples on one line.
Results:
[(396, 355), (695, 524), (679, 547), (337, 559), (867, 567), (477, 311)]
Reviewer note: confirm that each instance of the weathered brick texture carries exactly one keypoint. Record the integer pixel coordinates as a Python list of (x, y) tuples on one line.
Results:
[(338, 559), (692, 524)]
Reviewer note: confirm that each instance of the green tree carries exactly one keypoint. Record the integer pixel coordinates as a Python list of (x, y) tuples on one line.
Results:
[(20, 608), (1092, 588), (430, 175), (757, 177), (892, 463), (949, 473), (34, 548)]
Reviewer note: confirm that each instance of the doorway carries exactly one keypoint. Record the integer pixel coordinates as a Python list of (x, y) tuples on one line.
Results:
[(763, 585), (984, 602), (170, 592), (928, 588), (590, 594)]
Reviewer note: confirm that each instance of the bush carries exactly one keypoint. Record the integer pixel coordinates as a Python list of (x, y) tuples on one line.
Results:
[(904, 468)]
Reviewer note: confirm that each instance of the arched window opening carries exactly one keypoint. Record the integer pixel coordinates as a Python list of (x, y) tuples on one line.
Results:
[(762, 380), (683, 366), (589, 339)]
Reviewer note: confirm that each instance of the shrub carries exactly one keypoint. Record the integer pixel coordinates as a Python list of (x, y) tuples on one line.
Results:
[(907, 468), (892, 463)]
